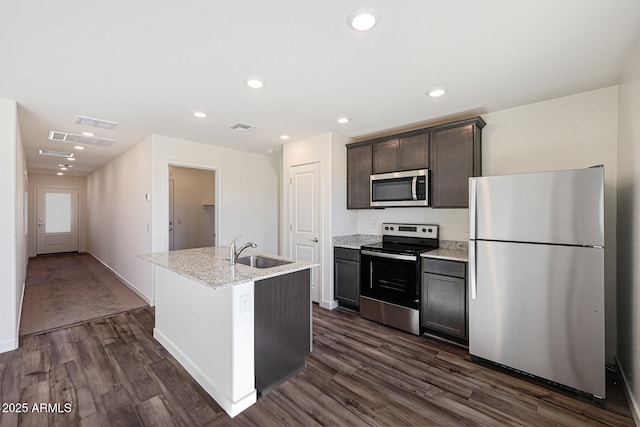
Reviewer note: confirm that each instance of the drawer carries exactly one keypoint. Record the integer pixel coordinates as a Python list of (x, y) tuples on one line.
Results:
[(444, 267), (344, 253)]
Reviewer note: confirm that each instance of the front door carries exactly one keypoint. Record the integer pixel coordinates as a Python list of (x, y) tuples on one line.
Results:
[(56, 220), (305, 219)]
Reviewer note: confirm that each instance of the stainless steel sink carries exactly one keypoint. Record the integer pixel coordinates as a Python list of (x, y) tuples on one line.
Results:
[(258, 261)]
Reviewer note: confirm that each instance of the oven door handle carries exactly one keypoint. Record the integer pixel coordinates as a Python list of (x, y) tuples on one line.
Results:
[(390, 256)]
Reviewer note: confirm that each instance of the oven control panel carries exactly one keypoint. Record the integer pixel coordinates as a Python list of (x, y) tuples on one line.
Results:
[(410, 230)]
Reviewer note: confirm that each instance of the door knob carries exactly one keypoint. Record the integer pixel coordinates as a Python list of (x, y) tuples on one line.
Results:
[(314, 240)]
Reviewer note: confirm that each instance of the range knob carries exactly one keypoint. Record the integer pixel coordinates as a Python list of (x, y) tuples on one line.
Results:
[(391, 228), (424, 230), (386, 228), (431, 230)]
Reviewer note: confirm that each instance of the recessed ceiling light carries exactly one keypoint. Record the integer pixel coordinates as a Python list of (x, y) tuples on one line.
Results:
[(343, 120), (200, 114), (78, 147), (255, 82), (284, 137), (88, 134), (63, 169), (363, 18), (71, 159), (270, 150), (436, 92), (59, 173)]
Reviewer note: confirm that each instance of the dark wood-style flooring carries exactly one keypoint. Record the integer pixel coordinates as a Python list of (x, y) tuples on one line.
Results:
[(113, 373)]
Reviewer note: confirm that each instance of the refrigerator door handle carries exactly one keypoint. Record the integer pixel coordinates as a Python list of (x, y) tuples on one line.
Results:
[(473, 282), (473, 215)]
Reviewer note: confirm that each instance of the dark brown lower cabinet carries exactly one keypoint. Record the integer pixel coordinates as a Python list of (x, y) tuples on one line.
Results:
[(282, 310), (444, 307), (346, 277)]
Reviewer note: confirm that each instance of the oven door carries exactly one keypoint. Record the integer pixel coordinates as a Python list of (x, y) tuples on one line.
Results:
[(392, 278)]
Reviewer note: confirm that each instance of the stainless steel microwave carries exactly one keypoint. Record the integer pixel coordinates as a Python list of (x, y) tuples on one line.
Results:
[(408, 188)]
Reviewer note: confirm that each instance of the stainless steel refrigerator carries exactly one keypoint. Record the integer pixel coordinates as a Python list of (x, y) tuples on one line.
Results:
[(536, 275)]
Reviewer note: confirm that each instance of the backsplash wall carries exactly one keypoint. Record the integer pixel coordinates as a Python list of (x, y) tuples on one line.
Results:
[(454, 223)]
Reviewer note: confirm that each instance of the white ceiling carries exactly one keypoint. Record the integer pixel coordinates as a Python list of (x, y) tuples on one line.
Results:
[(149, 64)]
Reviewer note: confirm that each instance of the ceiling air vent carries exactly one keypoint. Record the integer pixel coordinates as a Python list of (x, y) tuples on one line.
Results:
[(96, 123), (79, 139), (55, 153), (244, 127)]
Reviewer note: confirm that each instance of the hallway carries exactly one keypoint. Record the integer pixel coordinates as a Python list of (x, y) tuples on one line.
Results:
[(66, 289)]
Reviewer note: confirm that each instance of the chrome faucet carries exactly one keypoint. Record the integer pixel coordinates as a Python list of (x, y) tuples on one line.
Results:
[(233, 254)]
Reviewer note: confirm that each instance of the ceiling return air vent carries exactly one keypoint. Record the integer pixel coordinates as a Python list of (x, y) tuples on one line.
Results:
[(96, 123), (244, 127), (55, 153), (79, 139)]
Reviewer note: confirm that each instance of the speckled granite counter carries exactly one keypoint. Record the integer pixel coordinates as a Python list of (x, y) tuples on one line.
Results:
[(450, 250), (354, 241), (210, 266)]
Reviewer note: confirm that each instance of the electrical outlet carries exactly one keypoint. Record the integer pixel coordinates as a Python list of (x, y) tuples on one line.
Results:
[(245, 303)]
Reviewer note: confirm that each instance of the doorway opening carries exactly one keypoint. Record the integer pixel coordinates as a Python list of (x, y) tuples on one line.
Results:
[(192, 208)]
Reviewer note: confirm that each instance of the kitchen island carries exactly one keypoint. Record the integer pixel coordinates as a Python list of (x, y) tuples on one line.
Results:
[(238, 330)]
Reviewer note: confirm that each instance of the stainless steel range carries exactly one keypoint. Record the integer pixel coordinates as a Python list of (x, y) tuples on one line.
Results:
[(390, 275)]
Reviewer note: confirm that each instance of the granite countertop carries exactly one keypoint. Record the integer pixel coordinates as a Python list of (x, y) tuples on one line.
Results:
[(452, 250), (448, 254), (210, 265), (354, 241)]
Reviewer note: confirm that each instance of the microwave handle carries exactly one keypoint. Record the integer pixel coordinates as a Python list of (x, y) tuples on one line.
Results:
[(414, 188)]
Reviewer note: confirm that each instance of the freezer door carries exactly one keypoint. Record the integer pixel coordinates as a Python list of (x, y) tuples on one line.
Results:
[(540, 309), (563, 207)]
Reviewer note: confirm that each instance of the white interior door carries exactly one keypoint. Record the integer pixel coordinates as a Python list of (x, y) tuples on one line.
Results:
[(305, 219), (56, 220)]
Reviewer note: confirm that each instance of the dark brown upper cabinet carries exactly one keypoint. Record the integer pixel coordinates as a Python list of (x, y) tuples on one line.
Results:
[(401, 154), (358, 176), (455, 157), (451, 151)]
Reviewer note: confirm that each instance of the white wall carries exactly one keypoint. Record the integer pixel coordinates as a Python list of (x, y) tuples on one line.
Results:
[(55, 181), (193, 207), (629, 231), (571, 132), (13, 245), (246, 191), (329, 151), (454, 223), (119, 217)]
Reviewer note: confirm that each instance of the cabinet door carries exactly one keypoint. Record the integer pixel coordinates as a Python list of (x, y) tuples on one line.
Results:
[(358, 177), (414, 152), (444, 304), (347, 282), (452, 163), (386, 156)]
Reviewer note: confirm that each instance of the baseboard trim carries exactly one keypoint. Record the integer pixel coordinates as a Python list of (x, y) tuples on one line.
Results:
[(634, 405), (329, 305), (230, 407), (8, 345), (124, 281), (24, 284)]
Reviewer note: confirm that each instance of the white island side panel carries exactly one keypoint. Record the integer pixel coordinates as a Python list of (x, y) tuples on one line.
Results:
[(211, 333)]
